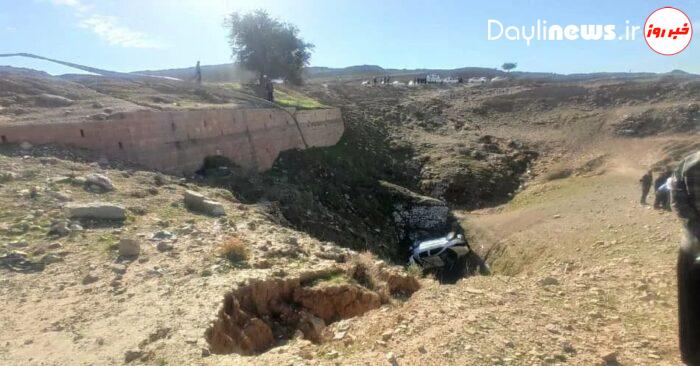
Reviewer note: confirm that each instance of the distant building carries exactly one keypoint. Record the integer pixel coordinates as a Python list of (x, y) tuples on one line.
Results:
[(481, 80), (433, 79), (450, 80)]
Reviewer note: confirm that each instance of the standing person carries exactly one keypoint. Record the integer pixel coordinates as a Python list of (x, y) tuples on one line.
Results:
[(662, 197), (685, 194), (661, 179), (661, 190), (646, 181), (198, 74), (269, 90)]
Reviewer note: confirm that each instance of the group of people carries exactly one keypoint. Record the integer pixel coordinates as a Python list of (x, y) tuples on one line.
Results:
[(662, 189), (681, 189), (266, 88)]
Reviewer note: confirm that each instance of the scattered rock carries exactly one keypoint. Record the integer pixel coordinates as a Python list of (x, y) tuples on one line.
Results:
[(548, 281), (61, 197), (132, 355), (99, 116), (99, 180), (567, 347), (129, 247), (164, 246), (96, 210), (386, 336), (609, 357), (119, 269), (60, 228), (163, 235), (25, 145), (312, 327), (199, 203), (90, 278)]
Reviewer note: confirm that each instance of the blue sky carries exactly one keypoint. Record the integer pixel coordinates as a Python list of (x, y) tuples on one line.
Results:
[(128, 35)]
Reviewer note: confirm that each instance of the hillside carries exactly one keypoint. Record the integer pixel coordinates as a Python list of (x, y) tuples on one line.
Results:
[(224, 73), (307, 263)]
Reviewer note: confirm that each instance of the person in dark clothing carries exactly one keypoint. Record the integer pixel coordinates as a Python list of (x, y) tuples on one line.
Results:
[(646, 181), (198, 74), (661, 179), (662, 192), (269, 90), (685, 193)]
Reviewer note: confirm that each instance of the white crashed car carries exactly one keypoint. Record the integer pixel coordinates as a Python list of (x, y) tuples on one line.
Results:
[(441, 253)]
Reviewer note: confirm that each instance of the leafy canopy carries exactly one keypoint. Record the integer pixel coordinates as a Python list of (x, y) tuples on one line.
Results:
[(267, 46), (509, 66)]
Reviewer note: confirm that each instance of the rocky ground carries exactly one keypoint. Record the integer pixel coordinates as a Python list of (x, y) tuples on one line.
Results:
[(104, 263)]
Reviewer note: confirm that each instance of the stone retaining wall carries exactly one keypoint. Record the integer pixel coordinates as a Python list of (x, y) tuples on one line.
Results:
[(177, 142)]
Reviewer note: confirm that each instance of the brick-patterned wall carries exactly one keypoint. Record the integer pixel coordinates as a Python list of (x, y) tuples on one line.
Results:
[(177, 142)]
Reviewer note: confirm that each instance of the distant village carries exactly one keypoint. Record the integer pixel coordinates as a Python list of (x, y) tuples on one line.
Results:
[(431, 79)]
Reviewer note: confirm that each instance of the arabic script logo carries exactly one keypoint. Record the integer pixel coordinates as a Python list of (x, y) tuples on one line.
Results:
[(668, 31)]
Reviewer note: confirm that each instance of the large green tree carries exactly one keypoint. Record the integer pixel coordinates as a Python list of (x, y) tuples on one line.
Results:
[(508, 66), (267, 46)]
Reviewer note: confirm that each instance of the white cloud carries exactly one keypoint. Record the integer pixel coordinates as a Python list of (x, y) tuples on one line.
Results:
[(75, 4), (108, 28)]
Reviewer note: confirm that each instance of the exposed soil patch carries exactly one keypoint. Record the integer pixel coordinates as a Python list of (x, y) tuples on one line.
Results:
[(259, 313)]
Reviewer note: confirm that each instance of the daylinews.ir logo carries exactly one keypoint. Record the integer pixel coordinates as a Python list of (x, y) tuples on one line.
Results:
[(544, 31), (668, 31)]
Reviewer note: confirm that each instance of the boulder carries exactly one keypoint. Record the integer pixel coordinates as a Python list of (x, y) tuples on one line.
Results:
[(96, 210), (129, 247), (100, 181), (60, 228), (311, 326), (199, 203)]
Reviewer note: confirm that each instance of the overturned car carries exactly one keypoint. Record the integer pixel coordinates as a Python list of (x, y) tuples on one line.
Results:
[(450, 257)]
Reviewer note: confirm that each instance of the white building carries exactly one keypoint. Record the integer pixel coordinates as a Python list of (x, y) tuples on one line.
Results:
[(433, 78)]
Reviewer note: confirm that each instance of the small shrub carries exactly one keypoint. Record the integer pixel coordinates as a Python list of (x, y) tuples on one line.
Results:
[(234, 249), (414, 270)]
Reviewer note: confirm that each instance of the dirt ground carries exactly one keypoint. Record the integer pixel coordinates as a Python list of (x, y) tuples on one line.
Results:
[(583, 274)]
